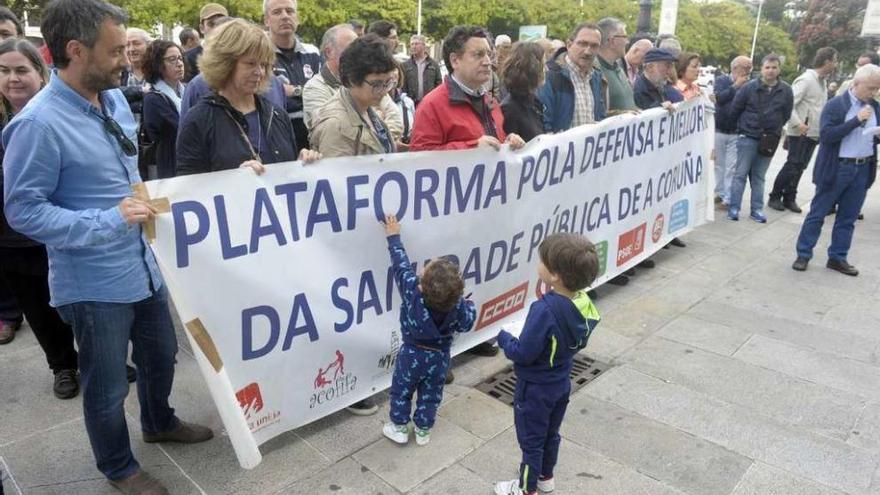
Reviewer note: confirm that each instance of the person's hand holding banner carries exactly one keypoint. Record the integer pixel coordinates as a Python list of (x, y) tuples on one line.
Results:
[(135, 211)]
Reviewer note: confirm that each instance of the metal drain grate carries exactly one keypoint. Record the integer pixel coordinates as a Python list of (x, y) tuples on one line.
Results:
[(502, 385)]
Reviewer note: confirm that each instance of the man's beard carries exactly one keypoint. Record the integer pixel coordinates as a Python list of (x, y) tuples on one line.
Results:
[(97, 80)]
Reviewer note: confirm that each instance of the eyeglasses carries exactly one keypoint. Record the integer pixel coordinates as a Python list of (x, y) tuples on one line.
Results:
[(174, 59), (113, 128), (379, 86)]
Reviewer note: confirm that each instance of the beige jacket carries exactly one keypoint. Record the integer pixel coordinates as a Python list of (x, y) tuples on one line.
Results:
[(317, 92), (810, 96), (340, 131)]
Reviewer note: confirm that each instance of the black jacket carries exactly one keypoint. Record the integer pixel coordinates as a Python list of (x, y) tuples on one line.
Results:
[(209, 140), (431, 78), (759, 109), (191, 63), (160, 122), (523, 115)]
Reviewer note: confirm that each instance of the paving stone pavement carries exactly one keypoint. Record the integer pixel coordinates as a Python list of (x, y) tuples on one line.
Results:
[(732, 374)]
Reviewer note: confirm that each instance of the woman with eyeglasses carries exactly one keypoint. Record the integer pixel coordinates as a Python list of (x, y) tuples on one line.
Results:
[(163, 69), (24, 265), (348, 125), (235, 126)]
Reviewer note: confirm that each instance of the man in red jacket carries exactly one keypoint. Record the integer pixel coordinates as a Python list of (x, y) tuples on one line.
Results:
[(459, 114)]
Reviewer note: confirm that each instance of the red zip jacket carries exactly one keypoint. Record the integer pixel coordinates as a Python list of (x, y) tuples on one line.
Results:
[(446, 120)]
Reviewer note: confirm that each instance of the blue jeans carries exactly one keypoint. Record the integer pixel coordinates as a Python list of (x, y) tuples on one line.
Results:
[(848, 192), (752, 165), (102, 332), (725, 163)]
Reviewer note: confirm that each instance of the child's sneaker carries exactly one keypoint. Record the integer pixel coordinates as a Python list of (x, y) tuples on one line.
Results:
[(509, 488), (422, 436), (546, 485), (396, 433)]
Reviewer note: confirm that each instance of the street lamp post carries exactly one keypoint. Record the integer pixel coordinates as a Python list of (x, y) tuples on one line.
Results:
[(643, 25), (755, 35), (419, 19)]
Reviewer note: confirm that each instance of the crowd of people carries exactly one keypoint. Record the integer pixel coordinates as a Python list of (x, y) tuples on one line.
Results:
[(111, 106)]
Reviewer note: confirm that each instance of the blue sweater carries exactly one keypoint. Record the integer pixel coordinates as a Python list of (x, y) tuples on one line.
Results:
[(556, 328), (833, 127), (420, 325)]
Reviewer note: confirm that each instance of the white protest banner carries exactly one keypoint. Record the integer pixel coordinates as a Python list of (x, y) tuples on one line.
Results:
[(282, 280)]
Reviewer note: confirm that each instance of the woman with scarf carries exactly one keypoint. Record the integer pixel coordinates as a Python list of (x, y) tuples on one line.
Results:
[(163, 69)]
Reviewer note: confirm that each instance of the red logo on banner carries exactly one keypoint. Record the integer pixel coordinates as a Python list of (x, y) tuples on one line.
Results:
[(631, 244), (502, 306), (657, 230), (250, 399), (337, 367)]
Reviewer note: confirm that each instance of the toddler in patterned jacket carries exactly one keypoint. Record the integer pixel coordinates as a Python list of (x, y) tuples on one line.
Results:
[(432, 309)]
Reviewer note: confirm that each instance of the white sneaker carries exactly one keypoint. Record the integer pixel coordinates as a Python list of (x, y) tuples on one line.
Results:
[(508, 488), (396, 433), (422, 436), (546, 486)]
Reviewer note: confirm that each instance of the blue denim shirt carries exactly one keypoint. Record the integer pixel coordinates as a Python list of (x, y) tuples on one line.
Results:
[(856, 144), (64, 178)]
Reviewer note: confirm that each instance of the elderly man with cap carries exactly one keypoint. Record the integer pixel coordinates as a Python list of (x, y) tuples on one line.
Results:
[(208, 16), (845, 168), (652, 88)]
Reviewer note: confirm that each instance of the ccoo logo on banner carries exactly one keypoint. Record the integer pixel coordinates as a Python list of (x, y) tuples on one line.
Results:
[(301, 317)]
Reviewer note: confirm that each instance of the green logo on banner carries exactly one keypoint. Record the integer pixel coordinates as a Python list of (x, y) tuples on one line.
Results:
[(602, 252)]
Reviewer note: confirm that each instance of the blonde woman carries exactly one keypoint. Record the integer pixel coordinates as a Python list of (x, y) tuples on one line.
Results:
[(235, 126)]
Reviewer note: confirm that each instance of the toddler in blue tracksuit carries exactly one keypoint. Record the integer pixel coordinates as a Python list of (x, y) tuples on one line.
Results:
[(556, 328), (432, 309)]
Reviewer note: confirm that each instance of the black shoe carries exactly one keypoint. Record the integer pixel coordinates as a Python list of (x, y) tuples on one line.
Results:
[(486, 349), (450, 377), (364, 407), (631, 272), (861, 216), (843, 267), (130, 374), (776, 204), (800, 264), (184, 433), (647, 264), (619, 280), (792, 207), (677, 242), (66, 384)]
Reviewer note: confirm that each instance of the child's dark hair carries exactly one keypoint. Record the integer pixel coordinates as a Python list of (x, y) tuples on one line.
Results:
[(572, 257), (442, 285)]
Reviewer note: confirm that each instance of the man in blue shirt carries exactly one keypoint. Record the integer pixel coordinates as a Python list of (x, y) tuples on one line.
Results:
[(70, 163), (845, 168)]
